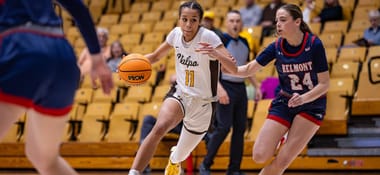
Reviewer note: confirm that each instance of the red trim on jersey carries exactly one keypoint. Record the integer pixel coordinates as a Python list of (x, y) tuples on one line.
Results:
[(279, 120), (53, 112), (15, 100), (12, 31), (310, 118), (29, 104), (305, 37)]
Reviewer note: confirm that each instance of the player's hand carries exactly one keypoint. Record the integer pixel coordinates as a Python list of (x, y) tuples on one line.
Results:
[(295, 101), (102, 71), (223, 96), (206, 48), (258, 94)]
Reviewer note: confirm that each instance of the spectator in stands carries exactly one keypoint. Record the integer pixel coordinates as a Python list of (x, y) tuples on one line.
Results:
[(85, 61), (149, 121), (232, 107), (208, 23), (372, 34), (299, 108), (332, 11), (117, 52), (268, 17), (251, 13), (309, 10)]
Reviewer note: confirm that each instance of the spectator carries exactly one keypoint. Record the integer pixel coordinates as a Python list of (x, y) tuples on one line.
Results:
[(332, 11), (268, 17), (372, 34), (208, 23), (117, 52), (310, 10), (232, 107), (251, 13), (85, 61)]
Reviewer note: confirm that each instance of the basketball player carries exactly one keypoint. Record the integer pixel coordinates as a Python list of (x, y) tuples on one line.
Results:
[(299, 108), (198, 52), (39, 75)]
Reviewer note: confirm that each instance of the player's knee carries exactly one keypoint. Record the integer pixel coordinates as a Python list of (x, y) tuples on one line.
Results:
[(160, 130), (260, 156)]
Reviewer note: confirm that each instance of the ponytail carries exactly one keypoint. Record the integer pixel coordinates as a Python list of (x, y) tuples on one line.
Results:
[(304, 27)]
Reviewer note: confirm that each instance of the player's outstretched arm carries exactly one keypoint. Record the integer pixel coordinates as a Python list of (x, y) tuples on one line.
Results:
[(248, 70), (159, 53), (85, 24), (219, 53)]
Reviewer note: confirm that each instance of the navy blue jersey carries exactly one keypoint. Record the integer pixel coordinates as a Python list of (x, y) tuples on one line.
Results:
[(15, 13), (297, 67)]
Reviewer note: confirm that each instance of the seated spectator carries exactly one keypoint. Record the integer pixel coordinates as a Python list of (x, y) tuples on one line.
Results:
[(117, 52), (268, 17), (84, 61), (251, 13), (372, 34), (332, 11), (309, 10)]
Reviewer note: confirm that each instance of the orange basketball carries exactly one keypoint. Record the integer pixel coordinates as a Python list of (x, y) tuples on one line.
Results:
[(135, 69)]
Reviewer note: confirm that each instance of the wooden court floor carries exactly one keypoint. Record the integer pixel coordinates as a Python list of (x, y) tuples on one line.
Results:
[(30, 172)]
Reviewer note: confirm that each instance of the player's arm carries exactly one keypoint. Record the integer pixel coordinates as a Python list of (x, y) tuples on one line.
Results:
[(86, 27), (219, 53), (248, 70), (159, 53), (83, 20)]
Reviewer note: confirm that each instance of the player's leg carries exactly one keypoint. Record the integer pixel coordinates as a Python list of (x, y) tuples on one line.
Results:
[(300, 133), (43, 139), (9, 115), (169, 116), (267, 140)]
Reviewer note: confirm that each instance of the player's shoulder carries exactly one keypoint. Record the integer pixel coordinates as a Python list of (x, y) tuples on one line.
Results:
[(176, 30), (206, 32)]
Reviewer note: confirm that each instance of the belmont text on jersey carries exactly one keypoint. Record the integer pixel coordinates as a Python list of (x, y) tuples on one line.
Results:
[(299, 67)]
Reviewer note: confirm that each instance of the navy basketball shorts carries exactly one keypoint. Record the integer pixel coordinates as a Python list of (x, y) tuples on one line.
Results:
[(38, 71), (313, 111)]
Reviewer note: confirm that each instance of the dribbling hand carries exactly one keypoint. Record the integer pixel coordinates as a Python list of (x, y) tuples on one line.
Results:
[(101, 70)]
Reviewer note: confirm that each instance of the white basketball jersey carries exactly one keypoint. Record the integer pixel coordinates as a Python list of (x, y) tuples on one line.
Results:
[(196, 73)]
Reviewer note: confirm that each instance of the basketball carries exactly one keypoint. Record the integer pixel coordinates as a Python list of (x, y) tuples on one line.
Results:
[(135, 69)]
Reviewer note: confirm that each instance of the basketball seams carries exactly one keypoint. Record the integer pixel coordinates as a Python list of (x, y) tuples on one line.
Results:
[(135, 69)]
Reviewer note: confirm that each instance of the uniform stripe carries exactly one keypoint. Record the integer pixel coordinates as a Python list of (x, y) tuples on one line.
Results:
[(279, 120), (27, 103), (310, 118)]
